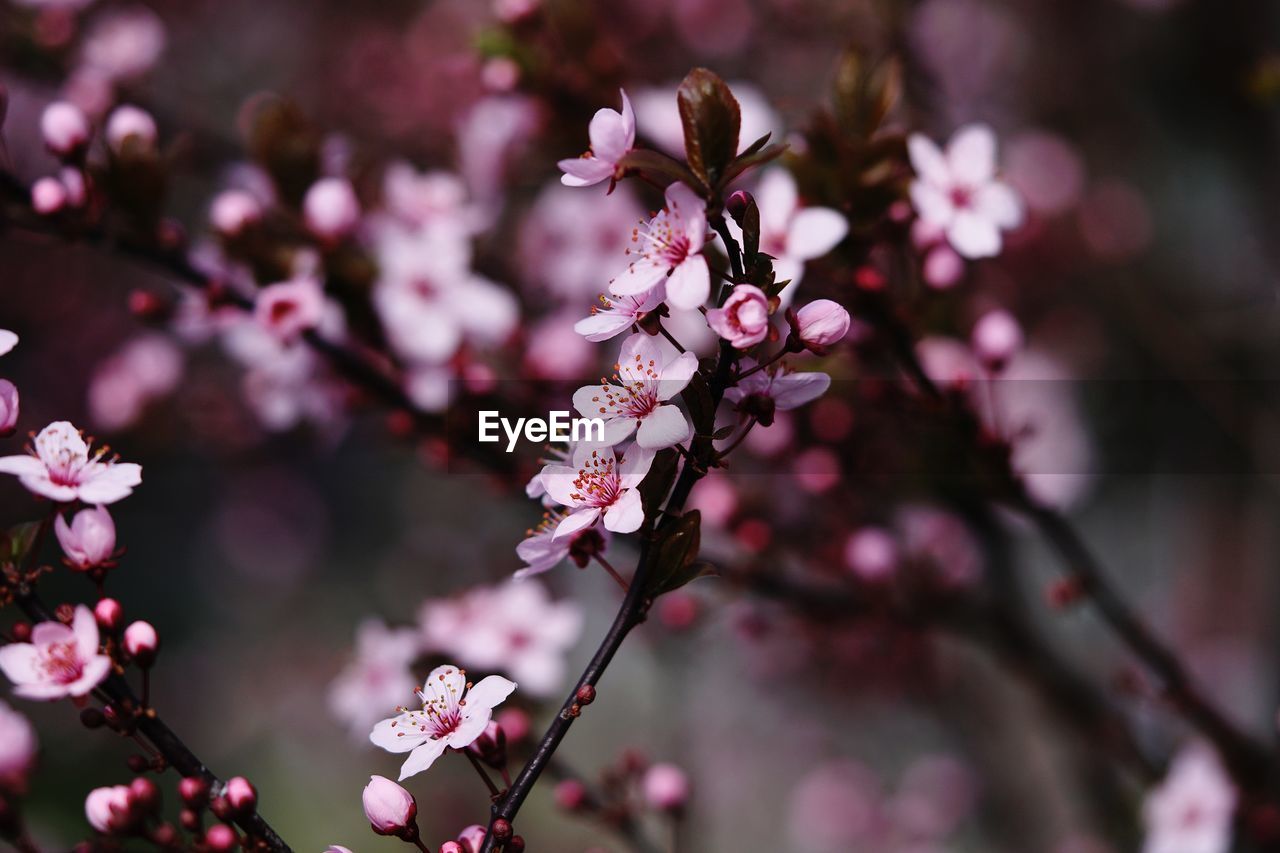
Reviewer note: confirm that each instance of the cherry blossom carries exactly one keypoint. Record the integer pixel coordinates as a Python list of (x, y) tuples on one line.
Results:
[(60, 660), (636, 400), (454, 713), (821, 323), (1191, 811), (63, 467), (744, 319), (90, 539), (571, 242), (541, 550), (378, 677), (109, 810), (612, 135), (670, 248), (786, 390), (128, 121), (331, 209), (614, 316), (599, 483), (957, 191), (8, 340), (289, 308), (17, 746), (389, 808), (9, 407), (793, 234)]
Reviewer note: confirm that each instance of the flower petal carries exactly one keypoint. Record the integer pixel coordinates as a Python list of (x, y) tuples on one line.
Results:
[(95, 671), (627, 513), (558, 482), (932, 205), (791, 390), (489, 692), (641, 275), (110, 483), (690, 283), (422, 758), (584, 171), (663, 427), (999, 203), (575, 521), (397, 734), (814, 232), (18, 662), (676, 374), (928, 161), (971, 154), (973, 235)]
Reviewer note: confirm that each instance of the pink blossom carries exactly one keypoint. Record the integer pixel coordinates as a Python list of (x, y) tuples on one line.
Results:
[(786, 390), (744, 319), (957, 192), (570, 242), (129, 121), (666, 787), (90, 539), (289, 308), (48, 196), (146, 367), (109, 810), (9, 407), (379, 677), (141, 642), (515, 628), (124, 43), (871, 554), (670, 248), (390, 809), (943, 268), (996, 338), (471, 839), (453, 715), (599, 483), (637, 400), (821, 324), (63, 467), (1191, 811), (234, 210), (612, 135), (793, 234), (8, 340), (60, 661), (434, 198), (331, 209), (614, 316), (540, 549), (554, 350), (65, 128), (17, 746)]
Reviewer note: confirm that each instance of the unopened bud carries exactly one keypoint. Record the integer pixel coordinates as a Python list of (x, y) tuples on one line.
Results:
[(451, 847), (241, 794), (109, 614), (92, 718), (471, 839), (516, 844), (65, 128), (220, 838), (996, 338), (389, 808), (194, 791), (48, 196), (491, 746), (586, 695), (737, 205), (570, 795), (141, 642), (502, 829), (129, 122), (144, 793), (820, 324), (331, 209), (21, 632), (666, 787)]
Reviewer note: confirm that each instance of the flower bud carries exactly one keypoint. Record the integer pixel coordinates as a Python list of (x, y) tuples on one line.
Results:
[(820, 324), (220, 837), (90, 539), (74, 185), (501, 830), (515, 723), (108, 809), (570, 795), (109, 614), (331, 209), (337, 848), (491, 746), (996, 338), (8, 408), (127, 122), (232, 211), (516, 844), (17, 746), (144, 794), (943, 268), (871, 554), (472, 838), (390, 809), (666, 787), (141, 642), (48, 196), (65, 128), (743, 321), (737, 205), (451, 847), (194, 791), (241, 794)]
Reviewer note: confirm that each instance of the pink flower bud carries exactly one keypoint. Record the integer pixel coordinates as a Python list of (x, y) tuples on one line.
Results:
[(241, 794), (821, 323), (129, 121), (515, 724), (472, 838), (331, 209), (744, 319), (337, 848), (65, 128), (144, 794), (737, 204), (73, 184), (90, 539), (287, 309), (666, 787), (491, 746), (8, 407), (942, 268), (17, 747), (48, 196), (141, 643), (451, 847), (391, 809), (570, 794), (232, 211), (996, 338), (220, 837), (108, 613), (108, 809), (871, 554)]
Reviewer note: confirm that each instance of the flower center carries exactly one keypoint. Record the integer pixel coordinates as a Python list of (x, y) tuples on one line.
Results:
[(61, 663), (962, 197), (597, 482)]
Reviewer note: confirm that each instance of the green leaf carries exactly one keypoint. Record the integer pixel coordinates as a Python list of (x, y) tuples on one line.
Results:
[(18, 542), (655, 163), (657, 483), (676, 555), (711, 118)]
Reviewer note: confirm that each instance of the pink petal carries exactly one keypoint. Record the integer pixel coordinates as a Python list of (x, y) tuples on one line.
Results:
[(603, 325), (792, 390), (22, 465), (18, 662), (577, 520), (95, 671), (388, 737), (663, 427), (971, 154), (8, 340), (640, 276), (626, 515), (617, 430), (690, 283), (635, 465), (932, 204), (927, 160), (85, 628), (111, 483), (776, 199), (489, 692), (584, 171), (422, 758), (814, 232), (676, 374), (973, 235), (999, 203)]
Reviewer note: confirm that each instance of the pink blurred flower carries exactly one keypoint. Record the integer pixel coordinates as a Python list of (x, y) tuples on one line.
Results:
[(9, 407), (743, 321), (996, 338), (554, 350), (1046, 170), (65, 128), (289, 308), (612, 135), (1191, 811), (8, 340), (90, 539), (128, 121), (871, 554), (570, 242), (434, 198), (793, 234), (670, 248), (63, 468), (666, 787), (452, 716), (599, 483), (615, 316), (942, 541), (109, 810), (60, 661), (836, 807), (146, 367), (646, 380), (943, 268), (785, 389), (540, 549), (17, 746), (233, 210), (331, 209), (957, 192), (379, 677), (48, 196), (389, 808), (124, 43)]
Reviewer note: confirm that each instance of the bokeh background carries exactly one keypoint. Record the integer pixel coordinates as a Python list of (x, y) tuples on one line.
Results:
[(1142, 134)]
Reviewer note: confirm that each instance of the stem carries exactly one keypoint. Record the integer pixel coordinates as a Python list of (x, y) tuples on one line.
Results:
[(729, 448), (612, 571), (671, 338), (762, 365), (493, 789)]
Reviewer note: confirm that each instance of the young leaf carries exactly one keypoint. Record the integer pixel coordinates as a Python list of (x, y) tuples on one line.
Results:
[(711, 118), (657, 483), (697, 396), (675, 554)]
